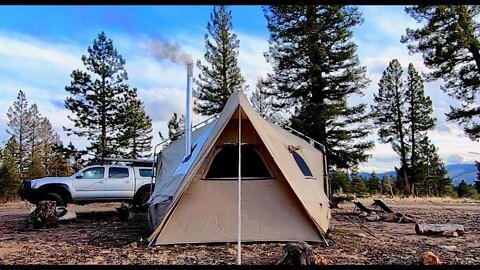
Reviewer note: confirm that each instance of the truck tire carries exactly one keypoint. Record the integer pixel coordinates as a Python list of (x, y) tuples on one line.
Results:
[(142, 198), (53, 197)]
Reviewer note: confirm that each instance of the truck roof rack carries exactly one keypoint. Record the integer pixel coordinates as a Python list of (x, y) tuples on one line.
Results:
[(133, 162)]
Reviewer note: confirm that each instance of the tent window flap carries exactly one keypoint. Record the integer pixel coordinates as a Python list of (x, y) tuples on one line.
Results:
[(225, 164)]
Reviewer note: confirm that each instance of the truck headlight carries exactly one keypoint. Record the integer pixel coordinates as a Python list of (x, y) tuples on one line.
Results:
[(33, 184)]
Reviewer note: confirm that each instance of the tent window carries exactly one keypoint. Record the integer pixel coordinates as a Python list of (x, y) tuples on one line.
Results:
[(302, 164), (225, 164)]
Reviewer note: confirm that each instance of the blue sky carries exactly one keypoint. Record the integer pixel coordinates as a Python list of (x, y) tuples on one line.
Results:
[(41, 45)]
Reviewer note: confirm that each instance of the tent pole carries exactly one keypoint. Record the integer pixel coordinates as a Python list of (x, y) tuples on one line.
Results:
[(239, 252)]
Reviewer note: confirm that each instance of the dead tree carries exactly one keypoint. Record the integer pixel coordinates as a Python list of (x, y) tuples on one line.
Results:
[(44, 215), (297, 254)]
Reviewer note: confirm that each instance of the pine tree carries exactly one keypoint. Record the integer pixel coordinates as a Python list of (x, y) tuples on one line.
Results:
[(72, 155), (373, 184), (418, 116), (316, 70), (59, 165), (135, 139), (35, 169), (466, 190), (221, 77), (389, 114), (175, 126), (402, 114), (49, 145), (340, 181), (450, 46), (95, 96), (262, 102), (430, 170), (18, 122), (358, 183), (9, 173)]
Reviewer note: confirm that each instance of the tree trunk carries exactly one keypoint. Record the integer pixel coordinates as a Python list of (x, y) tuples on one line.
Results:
[(434, 229), (44, 215)]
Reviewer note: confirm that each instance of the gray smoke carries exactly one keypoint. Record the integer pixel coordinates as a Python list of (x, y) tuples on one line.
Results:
[(165, 49)]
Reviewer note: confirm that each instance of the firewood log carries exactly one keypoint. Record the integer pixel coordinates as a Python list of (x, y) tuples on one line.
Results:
[(433, 229)]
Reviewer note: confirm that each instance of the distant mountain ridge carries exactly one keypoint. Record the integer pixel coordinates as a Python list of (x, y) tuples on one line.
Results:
[(457, 172)]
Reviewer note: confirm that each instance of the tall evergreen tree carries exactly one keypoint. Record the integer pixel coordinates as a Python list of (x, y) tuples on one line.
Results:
[(35, 169), (389, 114), (94, 99), (221, 77), (316, 70), (49, 144), (450, 46), (135, 135), (402, 114), (18, 122), (418, 116)]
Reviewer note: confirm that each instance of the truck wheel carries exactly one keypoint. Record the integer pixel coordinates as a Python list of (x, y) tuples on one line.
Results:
[(53, 197), (142, 200)]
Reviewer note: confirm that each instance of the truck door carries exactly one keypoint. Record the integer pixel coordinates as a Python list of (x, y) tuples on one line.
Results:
[(89, 184), (119, 183)]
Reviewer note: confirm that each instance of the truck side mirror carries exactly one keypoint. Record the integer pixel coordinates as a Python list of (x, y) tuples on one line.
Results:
[(79, 177)]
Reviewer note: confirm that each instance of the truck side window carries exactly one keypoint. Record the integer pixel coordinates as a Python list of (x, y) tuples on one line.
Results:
[(145, 172), (114, 172), (94, 173)]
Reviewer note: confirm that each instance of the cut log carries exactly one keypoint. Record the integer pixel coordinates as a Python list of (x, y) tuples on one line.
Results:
[(434, 229), (297, 254), (44, 215), (389, 217), (68, 217)]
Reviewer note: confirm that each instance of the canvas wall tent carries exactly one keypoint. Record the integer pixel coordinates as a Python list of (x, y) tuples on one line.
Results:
[(283, 184)]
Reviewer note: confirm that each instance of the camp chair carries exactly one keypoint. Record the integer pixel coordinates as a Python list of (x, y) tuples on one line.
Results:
[(382, 205), (361, 207)]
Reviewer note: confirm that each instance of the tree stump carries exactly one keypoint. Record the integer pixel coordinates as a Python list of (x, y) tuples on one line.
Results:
[(44, 215), (124, 211), (296, 254)]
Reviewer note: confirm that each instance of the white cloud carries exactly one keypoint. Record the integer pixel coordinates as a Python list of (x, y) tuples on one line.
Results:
[(251, 60), (35, 62)]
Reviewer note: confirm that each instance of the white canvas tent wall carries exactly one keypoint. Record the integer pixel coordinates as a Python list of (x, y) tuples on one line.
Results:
[(187, 208)]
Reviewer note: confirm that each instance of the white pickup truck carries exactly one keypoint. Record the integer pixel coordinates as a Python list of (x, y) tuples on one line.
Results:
[(97, 183)]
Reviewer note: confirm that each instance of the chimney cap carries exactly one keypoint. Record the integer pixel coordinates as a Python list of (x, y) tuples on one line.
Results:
[(190, 69)]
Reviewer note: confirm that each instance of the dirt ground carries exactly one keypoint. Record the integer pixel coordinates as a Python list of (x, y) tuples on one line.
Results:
[(98, 236)]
